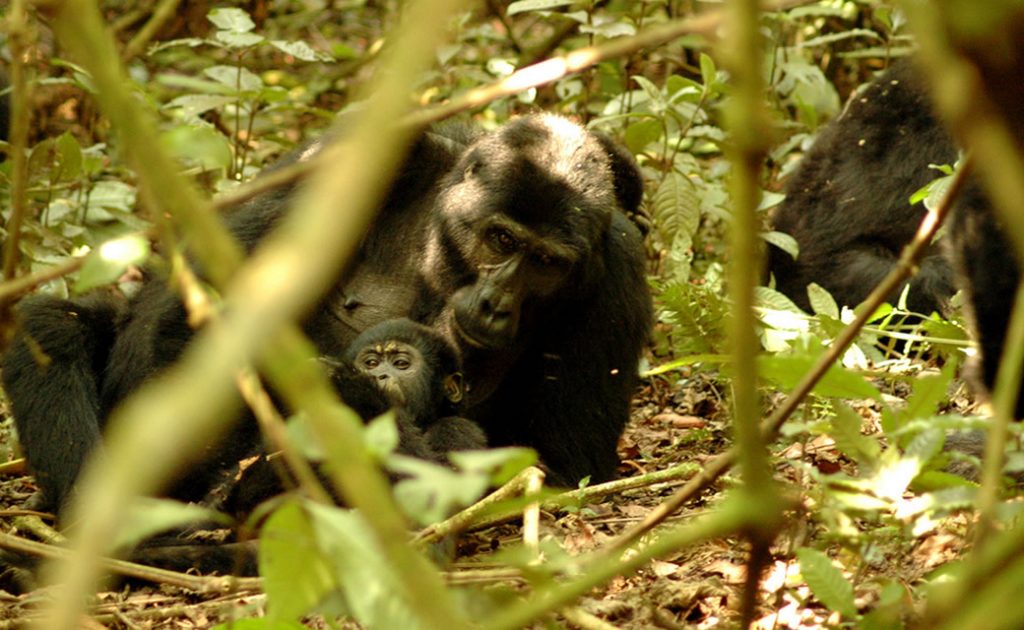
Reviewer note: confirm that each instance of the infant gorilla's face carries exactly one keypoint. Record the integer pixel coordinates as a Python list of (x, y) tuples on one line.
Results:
[(395, 366)]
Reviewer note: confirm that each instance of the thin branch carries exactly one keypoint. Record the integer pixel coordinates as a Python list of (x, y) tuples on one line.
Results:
[(164, 11), (18, 40), (197, 583)]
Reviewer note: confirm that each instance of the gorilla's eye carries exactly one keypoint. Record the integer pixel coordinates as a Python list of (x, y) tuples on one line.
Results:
[(503, 241), (402, 363), (371, 361), (549, 261)]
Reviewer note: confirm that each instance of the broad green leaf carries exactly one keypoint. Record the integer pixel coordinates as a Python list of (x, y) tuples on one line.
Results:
[(232, 39), (239, 79), (822, 302), (229, 19), (499, 464), (676, 206), (296, 574), (371, 589), (836, 383), (429, 492), (782, 241), (199, 145), (381, 435), (300, 50), (523, 6), (109, 261), (610, 29), (642, 133), (70, 154), (708, 72), (109, 195), (192, 105), (827, 582), (846, 431)]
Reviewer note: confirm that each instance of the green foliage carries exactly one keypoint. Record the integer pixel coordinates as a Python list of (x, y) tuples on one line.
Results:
[(827, 582), (238, 96)]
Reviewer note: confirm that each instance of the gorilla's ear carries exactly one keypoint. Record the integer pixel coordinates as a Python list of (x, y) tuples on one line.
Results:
[(629, 184), (454, 387)]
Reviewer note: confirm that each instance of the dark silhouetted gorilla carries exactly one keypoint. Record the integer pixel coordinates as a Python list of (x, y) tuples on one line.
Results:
[(847, 205), (513, 244)]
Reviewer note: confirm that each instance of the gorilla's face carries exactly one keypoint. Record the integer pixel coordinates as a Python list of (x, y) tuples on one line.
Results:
[(518, 224)]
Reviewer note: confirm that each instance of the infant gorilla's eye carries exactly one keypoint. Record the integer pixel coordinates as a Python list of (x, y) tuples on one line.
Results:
[(402, 363), (371, 361)]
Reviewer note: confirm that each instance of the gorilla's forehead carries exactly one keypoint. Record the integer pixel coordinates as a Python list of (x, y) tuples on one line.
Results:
[(546, 170)]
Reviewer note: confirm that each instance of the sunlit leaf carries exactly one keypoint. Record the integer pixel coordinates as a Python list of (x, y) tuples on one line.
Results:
[(230, 19), (523, 6), (109, 261), (827, 582), (296, 574)]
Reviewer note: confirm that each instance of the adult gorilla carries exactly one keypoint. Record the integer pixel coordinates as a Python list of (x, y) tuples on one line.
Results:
[(847, 205), (514, 243)]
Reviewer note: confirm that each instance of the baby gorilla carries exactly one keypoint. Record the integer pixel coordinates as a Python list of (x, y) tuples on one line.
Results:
[(419, 373), (400, 365)]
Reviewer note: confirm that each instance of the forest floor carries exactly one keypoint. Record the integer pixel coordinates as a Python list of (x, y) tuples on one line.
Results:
[(697, 587)]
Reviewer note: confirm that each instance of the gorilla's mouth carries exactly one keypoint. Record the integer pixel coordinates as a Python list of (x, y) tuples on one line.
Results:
[(467, 337)]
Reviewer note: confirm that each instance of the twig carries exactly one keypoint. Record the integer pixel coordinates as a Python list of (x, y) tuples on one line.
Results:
[(905, 267), (13, 467), (197, 583), (585, 620), (18, 36), (486, 512), (164, 11), (531, 515)]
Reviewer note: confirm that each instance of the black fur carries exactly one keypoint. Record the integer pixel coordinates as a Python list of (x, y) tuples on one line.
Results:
[(847, 205), (550, 333)]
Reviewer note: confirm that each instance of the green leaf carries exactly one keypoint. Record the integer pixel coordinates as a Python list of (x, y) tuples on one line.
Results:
[(429, 492), (300, 50), (499, 464), (231, 39), (708, 72), (381, 435), (822, 302), (200, 145), (238, 79), (783, 241), (148, 516), (846, 431), (192, 105), (642, 133), (827, 582), (676, 206), (109, 261), (296, 574), (228, 19), (371, 589), (70, 155), (109, 195), (837, 382), (523, 6)]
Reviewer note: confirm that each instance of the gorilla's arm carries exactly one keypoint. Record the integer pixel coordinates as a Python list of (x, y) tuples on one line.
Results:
[(50, 376)]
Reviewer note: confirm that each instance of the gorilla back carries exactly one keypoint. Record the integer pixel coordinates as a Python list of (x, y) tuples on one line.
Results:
[(847, 205), (512, 243)]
